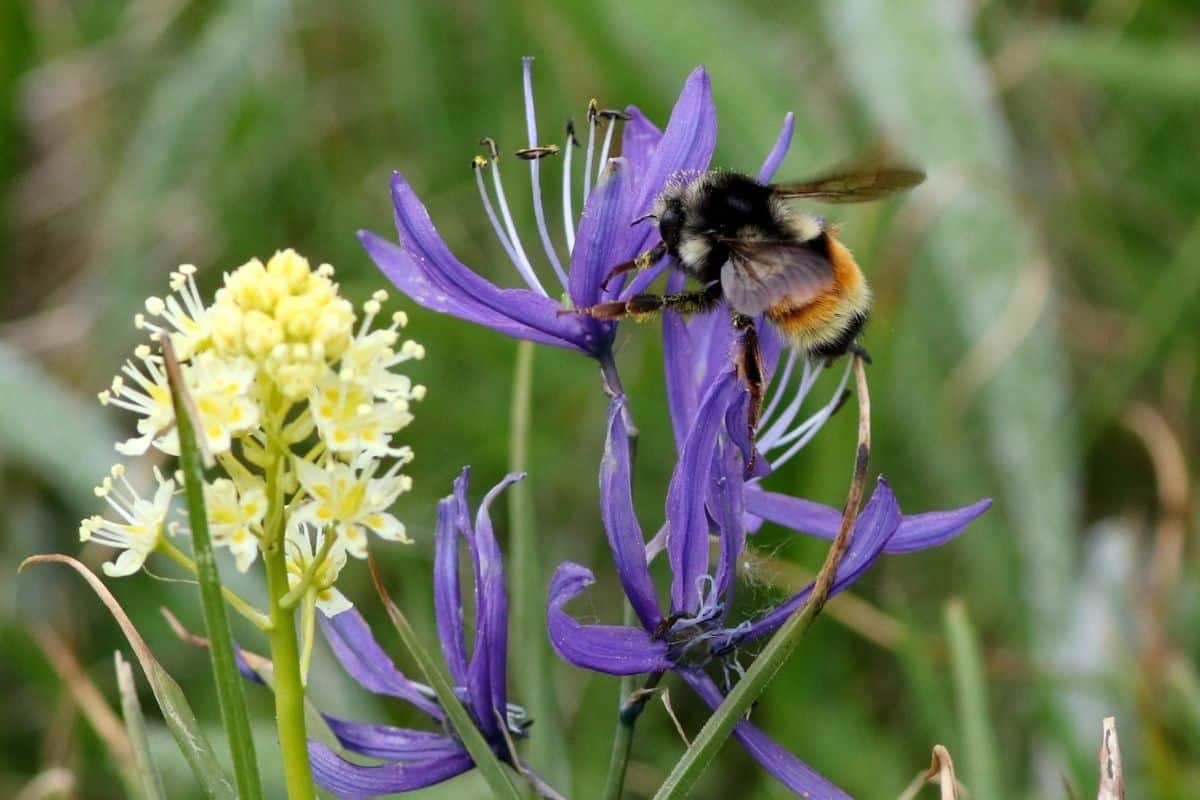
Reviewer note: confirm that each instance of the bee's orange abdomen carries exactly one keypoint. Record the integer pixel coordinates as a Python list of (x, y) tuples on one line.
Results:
[(825, 318)]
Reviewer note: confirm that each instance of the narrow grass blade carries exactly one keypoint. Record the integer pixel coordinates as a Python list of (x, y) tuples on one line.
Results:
[(485, 760), (135, 726), (180, 719), (224, 666)]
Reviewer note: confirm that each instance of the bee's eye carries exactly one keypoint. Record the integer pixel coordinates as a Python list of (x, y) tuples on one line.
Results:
[(669, 223)]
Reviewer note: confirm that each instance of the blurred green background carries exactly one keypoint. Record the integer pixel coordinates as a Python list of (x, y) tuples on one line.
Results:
[(1035, 341)]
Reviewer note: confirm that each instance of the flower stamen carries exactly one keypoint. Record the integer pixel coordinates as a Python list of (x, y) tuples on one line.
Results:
[(611, 115), (781, 433), (521, 260), (593, 108), (568, 215), (539, 212)]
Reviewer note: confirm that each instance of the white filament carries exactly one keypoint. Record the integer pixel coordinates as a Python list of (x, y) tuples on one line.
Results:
[(535, 173), (568, 215), (591, 150), (491, 215), (522, 262), (608, 135)]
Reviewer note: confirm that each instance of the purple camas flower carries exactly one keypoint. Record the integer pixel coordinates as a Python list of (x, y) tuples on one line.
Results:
[(706, 497), (423, 267), (414, 758)]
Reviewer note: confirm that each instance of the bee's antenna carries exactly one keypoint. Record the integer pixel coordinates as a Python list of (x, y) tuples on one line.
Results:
[(643, 218)]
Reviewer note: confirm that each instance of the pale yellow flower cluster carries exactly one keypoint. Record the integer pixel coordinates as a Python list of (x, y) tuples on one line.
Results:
[(291, 397)]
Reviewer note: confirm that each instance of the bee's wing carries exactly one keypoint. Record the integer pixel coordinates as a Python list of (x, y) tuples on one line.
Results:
[(762, 274), (853, 184)]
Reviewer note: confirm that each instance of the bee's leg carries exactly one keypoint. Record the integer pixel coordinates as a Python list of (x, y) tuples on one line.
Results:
[(641, 261), (642, 305), (857, 349), (749, 365)]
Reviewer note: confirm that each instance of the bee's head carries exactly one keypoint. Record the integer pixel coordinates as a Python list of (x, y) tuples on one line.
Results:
[(668, 210)]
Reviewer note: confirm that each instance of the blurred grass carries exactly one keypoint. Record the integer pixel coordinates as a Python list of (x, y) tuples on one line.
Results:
[(1060, 138)]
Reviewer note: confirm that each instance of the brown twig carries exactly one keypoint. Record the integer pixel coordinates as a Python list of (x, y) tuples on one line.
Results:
[(1112, 781), (858, 482), (941, 772)]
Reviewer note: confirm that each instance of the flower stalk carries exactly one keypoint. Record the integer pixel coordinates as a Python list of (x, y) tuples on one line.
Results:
[(285, 651), (720, 725), (225, 671), (627, 717)]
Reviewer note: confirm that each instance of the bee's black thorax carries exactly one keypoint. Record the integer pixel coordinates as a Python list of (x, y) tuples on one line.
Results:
[(717, 205)]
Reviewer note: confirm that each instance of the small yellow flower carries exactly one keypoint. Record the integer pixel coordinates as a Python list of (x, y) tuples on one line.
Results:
[(372, 354), (349, 422), (235, 518), (285, 316), (185, 315), (351, 501), (148, 396), (140, 526), (301, 553), (220, 389)]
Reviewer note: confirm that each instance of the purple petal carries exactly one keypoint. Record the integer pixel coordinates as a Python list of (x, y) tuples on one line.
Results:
[(479, 666), (352, 781), (916, 532), (687, 541), (877, 523), (779, 151), (447, 593), (392, 743), (639, 139), (602, 228), (364, 660), (612, 649), (493, 613), (625, 536), (789, 770), (725, 501), (934, 528), (686, 145), (684, 373), (516, 312), (421, 284)]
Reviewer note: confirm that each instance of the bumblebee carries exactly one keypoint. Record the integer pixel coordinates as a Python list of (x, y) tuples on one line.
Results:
[(745, 244)]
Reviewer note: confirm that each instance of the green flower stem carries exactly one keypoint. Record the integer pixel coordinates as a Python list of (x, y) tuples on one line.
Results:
[(704, 748), (285, 651), (631, 708), (535, 662), (245, 609), (224, 666)]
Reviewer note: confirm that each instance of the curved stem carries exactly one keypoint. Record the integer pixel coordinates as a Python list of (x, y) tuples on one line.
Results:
[(714, 733)]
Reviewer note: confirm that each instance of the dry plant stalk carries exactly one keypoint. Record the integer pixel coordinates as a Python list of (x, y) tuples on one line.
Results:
[(941, 772), (1112, 780)]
